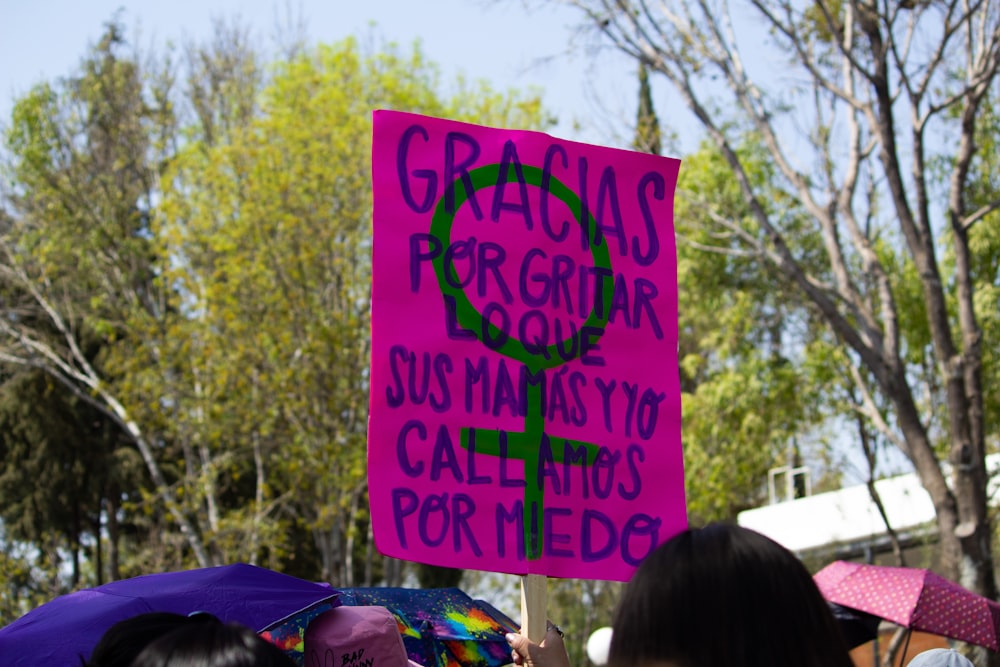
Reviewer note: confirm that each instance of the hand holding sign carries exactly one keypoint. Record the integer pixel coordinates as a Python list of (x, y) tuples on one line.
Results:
[(525, 411)]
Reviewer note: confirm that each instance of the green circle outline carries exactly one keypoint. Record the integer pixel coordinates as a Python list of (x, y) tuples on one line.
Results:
[(465, 312)]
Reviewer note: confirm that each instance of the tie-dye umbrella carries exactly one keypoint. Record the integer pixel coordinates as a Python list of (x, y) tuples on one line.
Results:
[(289, 633), (442, 627), (914, 598)]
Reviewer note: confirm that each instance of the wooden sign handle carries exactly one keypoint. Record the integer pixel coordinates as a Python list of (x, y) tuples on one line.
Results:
[(533, 602)]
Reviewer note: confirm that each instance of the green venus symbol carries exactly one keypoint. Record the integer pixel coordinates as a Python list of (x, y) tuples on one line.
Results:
[(523, 445)]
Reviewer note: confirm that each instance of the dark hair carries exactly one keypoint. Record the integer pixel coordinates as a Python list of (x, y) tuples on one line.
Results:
[(722, 596), (124, 640), (212, 645)]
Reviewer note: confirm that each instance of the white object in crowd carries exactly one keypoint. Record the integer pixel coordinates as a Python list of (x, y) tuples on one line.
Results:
[(598, 645)]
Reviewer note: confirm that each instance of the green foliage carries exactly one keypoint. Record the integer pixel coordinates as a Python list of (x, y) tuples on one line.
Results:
[(76, 268), (84, 184), (26, 579), (984, 246), (823, 22), (55, 462), (878, 171), (745, 397), (272, 226), (744, 401), (196, 289), (580, 606), (647, 125), (433, 576)]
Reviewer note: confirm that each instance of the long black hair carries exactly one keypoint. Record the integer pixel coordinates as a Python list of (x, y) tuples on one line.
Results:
[(212, 645), (724, 596), (124, 640)]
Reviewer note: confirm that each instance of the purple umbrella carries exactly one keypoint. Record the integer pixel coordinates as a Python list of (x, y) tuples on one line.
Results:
[(65, 630)]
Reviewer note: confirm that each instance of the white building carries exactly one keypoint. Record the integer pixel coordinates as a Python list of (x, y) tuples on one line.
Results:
[(846, 523)]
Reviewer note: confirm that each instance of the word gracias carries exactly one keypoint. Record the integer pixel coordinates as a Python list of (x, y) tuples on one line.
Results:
[(607, 205)]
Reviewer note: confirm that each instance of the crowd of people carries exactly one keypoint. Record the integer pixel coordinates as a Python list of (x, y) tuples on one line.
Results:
[(716, 596), (364, 636), (162, 639)]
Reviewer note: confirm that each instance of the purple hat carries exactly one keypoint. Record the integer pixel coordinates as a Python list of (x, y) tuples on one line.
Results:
[(355, 637)]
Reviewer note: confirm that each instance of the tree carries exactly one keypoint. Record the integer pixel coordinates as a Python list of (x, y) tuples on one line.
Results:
[(194, 264), (25, 581), (984, 242), (434, 576), (582, 606), (882, 91), (75, 258), (746, 397), (743, 400), (270, 225), (58, 467), (647, 125)]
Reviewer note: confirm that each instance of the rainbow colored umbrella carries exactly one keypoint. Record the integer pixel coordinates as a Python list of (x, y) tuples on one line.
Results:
[(442, 627), (289, 633)]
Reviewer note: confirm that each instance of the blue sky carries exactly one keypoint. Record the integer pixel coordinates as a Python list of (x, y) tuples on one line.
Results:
[(501, 41)]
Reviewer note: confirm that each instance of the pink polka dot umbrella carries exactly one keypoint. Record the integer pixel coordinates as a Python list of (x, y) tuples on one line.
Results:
[(914, 598)]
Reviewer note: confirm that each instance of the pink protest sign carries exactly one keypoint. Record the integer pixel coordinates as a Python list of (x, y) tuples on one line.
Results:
[(525, 401)]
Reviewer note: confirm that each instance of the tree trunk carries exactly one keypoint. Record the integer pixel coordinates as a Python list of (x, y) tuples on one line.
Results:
[(875, 82), (111, 502)]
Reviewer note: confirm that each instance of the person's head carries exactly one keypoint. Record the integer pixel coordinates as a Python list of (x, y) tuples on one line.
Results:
[(124, 640), (349, 636), (212, 645), (723, 595), (940, 657)]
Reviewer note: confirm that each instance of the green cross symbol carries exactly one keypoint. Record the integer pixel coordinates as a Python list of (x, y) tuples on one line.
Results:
[(523, 445)]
